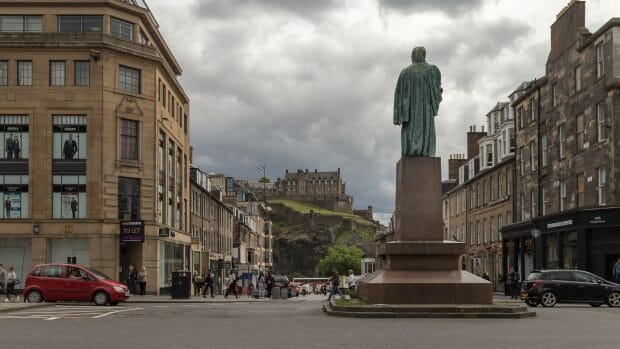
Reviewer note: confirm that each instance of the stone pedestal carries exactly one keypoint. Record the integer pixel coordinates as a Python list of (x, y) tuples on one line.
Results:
[(419, 266)]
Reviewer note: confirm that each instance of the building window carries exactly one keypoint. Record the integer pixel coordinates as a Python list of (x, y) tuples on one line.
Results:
[(520, 116), (81, 73), (160, 204), (129, 79), (533, 109), (14, 196), (554, 94), (69, 197), (521, 161), (544, 144), (78, 24), (569, 253), (600, 60), (485, 231), (551, 251), (562, 195), (144, 40), (509, 181), (578, 78), (24, 73), (128, 199), (14, 137), (4, 73), (489, 155), (602, 186), (532, 156), (543, 193), (121, 29), (160, 165), (522, 205), (177, 223), (69, 137), (171, 164), (533, 203), (601, 122), (57, 73), (581, 135), (170, 206), (21, 24), (129, 140), (581, 190), (562, 139)]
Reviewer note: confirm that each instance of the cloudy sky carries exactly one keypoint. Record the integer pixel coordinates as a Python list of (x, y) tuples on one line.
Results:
[(310, 83)]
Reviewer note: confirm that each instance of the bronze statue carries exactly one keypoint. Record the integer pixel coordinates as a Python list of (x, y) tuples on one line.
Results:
[(416, 102)]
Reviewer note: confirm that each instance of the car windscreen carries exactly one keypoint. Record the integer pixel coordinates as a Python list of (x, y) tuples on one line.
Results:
[(533, 276), (98, 274)]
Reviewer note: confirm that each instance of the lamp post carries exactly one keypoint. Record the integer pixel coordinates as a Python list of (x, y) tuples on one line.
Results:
[(263, 179)]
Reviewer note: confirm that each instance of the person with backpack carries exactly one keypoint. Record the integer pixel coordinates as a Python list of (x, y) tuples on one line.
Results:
[(335, 280), (269, 281)]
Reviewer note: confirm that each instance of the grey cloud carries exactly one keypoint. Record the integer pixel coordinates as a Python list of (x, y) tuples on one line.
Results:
[(223, 9), (450, 7)]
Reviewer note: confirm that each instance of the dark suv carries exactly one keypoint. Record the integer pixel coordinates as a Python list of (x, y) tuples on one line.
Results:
[(548, 287)]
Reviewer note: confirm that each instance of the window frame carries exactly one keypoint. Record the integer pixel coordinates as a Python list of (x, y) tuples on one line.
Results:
[(601, 124), (120, 34), (77, 77), (600, 60), (124, 84), (601, 185), (57, 80), (4, 77), (562, 140), (129, 140), (29, 77)]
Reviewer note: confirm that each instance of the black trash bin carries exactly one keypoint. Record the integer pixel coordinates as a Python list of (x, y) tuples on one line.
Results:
[(181, 285)]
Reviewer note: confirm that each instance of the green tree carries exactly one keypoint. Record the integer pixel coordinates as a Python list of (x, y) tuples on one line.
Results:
[(264, 180), (343, 258)]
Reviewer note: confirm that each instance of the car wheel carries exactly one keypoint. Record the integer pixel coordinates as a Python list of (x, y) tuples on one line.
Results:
[(595, 305), (532, 303), (613, 300), (34, 296), (100, 298), (548, 299)]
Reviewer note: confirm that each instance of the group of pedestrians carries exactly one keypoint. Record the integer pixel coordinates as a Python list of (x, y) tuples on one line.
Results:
[(334, 280), (8, 280), (135, 278)]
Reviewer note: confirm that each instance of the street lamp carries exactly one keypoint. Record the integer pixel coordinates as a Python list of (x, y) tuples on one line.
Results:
[(263, 179)]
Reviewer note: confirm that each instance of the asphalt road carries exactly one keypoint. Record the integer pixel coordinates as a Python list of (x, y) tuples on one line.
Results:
[(294, 324)]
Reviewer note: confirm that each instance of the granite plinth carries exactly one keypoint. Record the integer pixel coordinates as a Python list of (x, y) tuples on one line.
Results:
[(419, 267), (424, 287)]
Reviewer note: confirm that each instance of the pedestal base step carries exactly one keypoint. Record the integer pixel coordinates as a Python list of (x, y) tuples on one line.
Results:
[(468, 311)]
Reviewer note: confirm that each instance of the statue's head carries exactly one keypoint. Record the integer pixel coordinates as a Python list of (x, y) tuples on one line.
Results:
[(418, 55)]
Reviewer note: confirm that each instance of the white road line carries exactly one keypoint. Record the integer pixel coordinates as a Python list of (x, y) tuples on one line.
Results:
[(115, 312), (53, 318)]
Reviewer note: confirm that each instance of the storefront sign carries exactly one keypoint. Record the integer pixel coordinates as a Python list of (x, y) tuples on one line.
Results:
[(164, 232), (597, 220), (132, 231), (560, 224)]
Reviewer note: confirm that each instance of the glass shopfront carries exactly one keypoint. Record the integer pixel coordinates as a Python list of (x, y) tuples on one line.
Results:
[(171, 259), (569, 250), (551, 251)]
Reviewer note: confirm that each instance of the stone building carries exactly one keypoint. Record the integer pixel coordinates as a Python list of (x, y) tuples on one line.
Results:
[(325, 189), (212, 227), (567, 200), (94, 132), (481, 201)]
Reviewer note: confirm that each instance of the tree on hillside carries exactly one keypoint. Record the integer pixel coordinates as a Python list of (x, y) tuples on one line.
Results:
[(264, 180), (343, 257)]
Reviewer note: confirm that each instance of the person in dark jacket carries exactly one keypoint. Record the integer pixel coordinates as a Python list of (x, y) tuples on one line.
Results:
[(513, 278), (208, 281), (132, 278), (269, 281), (335, 280)]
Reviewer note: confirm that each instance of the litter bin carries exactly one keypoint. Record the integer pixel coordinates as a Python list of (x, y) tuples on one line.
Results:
[(181, 285), (284, 293), (275, 293)]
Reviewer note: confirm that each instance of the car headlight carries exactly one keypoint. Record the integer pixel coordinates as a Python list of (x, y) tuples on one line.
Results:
[(119, 289)]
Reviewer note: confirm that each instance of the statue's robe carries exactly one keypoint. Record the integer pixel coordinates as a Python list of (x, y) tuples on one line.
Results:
[(416, 102)]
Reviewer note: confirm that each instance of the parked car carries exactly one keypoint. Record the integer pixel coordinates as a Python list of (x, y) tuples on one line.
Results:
[(549, 287), (70, 282)]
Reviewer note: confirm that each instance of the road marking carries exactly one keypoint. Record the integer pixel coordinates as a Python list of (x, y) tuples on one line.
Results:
[(53, 318), (115, 312)]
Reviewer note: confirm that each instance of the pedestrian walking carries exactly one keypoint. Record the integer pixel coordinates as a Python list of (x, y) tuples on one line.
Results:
[(198, 283), (208, 280), (11, 281), (261, 285), (232, 284), (351, 280), (335, 280), (142, 281), (269, 281), (616, 271), (132, 278), (250, 288), (2, 279), (513, 278)]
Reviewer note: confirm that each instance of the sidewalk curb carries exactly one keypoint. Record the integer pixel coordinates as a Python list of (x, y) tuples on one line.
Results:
[(190, 301), (25, 306)]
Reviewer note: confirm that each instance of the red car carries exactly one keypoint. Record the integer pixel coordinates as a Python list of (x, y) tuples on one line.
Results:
[(70, 282)]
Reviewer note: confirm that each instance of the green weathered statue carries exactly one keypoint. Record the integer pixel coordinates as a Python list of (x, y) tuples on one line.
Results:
[(416, 102)]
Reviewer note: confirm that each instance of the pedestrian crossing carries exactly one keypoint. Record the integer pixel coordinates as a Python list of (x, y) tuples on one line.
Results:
[(68, 312)]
